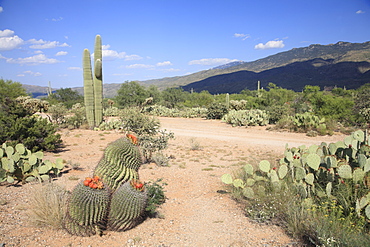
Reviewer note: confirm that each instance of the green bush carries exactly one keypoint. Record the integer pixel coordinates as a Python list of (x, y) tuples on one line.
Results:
[(139, 123), (216, 111), (155, 191), (18, 125), (277, 112), (153, 143)]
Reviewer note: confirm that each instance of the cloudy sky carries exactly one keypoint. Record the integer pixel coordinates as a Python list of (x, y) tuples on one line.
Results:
[(43, 40)]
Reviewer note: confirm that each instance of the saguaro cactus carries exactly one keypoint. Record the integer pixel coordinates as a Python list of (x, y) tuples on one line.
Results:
[(93, 84), (98, 81)]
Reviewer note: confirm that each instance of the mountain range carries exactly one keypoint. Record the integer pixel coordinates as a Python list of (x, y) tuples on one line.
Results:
[(340, 64)]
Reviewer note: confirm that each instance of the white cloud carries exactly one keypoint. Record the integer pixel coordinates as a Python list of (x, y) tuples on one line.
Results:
[(57, 19), (9, 41), (242, 36), (170, 70), (360, 12), (132, 57), (61, 53), (113, 55), (34, 60), (165, 63), (139, 66), (6, 33), (29, 72), (270, 45), (42, 44), (74, 68), (212, 61), (1, 9)]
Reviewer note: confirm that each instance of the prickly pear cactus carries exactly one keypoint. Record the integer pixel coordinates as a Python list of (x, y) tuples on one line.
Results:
[(87, 209), (127, 206), (120, 163)]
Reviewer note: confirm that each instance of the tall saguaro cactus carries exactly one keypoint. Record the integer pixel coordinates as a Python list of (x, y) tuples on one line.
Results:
[(98, 80), (93, 84)]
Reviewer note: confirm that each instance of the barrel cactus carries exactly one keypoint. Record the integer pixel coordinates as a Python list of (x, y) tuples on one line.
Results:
[(87, 208), (120, 163), (127, 206)]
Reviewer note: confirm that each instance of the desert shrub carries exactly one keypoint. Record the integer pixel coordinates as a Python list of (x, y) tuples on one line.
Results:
[(76, 116), (161, 111), (307, 123), (160, 159), (277, 112), (320, 193), (18, 125), (48, 205), (34, 105), (58, 113), (216, 111), (156, 195), (139, 123), (246, 118), (238, 104), (152, 143)]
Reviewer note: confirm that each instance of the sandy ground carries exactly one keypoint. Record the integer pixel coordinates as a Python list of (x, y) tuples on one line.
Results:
[(194, 214)]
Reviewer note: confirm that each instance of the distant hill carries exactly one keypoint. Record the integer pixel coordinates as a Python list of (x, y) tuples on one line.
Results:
[(294, 76), (37, 91), (339, 52), (315, 55)]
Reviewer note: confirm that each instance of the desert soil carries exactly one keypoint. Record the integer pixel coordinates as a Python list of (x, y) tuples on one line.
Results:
[(194, 214)]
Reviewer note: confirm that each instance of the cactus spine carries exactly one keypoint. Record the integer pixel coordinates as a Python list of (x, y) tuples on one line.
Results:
[(93, 84)]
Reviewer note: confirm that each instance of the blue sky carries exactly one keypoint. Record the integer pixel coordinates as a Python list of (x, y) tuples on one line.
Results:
[(43, 40)]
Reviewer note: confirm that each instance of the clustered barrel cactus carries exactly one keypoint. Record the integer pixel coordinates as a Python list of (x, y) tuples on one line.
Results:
[(120, 163), (113, 198), (93, 85), (20, 164), (318, 171)]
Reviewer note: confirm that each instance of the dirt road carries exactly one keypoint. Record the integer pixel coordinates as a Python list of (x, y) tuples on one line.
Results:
[(194, 213)]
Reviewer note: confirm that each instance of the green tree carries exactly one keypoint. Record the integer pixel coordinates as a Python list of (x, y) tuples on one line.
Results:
[(10, 89), (131, 94), (154, 93), (362, 102), (172, 97), (67, 96), (202, 99)]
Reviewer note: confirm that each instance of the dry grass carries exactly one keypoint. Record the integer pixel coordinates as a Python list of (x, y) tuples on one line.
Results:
[(48, 205)]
